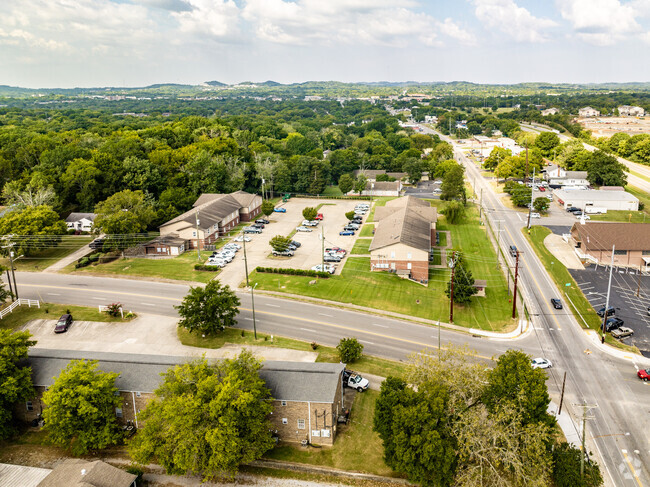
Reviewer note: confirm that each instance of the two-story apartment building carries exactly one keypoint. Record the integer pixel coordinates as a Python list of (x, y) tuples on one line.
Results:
[(558, 177)]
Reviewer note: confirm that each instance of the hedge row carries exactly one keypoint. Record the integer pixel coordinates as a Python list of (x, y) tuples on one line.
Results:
[(320, 197), (85, 261), (293, 272), (203, 267)]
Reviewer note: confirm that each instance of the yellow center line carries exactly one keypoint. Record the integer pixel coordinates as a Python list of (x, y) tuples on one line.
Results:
[(629, 464), (277, 315)]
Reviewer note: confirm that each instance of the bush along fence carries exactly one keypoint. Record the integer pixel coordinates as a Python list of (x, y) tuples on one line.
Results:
[(203, 267), (322, 197), (292, 272)]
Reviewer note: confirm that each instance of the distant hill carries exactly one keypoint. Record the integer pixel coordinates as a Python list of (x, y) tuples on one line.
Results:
[(215, 83)]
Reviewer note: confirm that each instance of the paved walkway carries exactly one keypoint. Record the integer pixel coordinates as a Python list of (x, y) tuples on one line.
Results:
[(562, 251), (69, 259)]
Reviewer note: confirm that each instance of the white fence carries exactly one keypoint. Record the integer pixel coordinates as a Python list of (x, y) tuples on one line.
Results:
[(19, 302), (103, 308)]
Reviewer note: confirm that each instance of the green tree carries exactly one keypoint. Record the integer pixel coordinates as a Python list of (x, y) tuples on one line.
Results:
[(541, 204), (15, 380), (605, 170), (80, 180), (350, 215), (80, 412), (566, 468), (514, 381), (521, 196), (463, 281), (496, 156), (210, 309), (124, 212), (32, 229), (309, 213), (360, 183), (454, 212), (267, 207), (350, 350), (346, 183), (207, 418), (280, 243), (35, 193), (453, 184), (546, 142)]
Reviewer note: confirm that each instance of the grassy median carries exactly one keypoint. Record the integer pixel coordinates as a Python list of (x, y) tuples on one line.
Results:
[(45, 258), (48, 311)]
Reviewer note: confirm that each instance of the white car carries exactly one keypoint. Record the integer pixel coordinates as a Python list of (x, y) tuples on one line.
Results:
[(437, 190), (309, 223), (541, 363), (326, 268), (535, 215), (241, 238), (586, 217), (303, 229)]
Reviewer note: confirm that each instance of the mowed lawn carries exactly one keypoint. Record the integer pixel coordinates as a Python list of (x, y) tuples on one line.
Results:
[(180, 268), (366, 230), (361, 246), (45, 258), (48, 311), (381, 290), (357, 447)]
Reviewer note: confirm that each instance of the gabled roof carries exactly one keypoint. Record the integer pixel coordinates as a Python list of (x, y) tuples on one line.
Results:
[(404, 226), (207, 197), (302, 381), (172, 239), (245, 199), (75, 217), (382, 185), (210, 213), (75, 472), (604, 235)]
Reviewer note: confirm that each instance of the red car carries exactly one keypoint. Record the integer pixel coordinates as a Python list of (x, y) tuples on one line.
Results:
[(319, 216), (644, 374), (542, 188)]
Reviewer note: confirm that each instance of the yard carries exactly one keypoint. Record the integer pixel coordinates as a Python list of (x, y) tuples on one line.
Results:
[(180, 268), (366, 230), (361, 247), (356, 448), (621, 216), (45, 258), (23, 314), (380, 290)]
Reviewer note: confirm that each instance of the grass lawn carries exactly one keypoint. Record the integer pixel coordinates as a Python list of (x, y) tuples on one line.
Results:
[(366, 230), (181, 267), (356, 448), (379, 201), (45, 258), (443, 239), (437, 257), (639, 175), (642, 195), (361, 246), (23, 314), (332, 191), (621, 216), (368, 364), (381, 290)]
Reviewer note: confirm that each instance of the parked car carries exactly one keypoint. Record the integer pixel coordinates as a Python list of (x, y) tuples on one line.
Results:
[(303, 229), (542, 188), (610, 311), (262, 220), (572, 209), (549, 197), (541, 363), (283, 253), (557, 304), (258, 225), (252, 230), (644, 374), (346, 232), (613, 324), (331, 258), (241, 238), (580, 216), (351, 227), (354, 381), (338, 250), (216, 263), (97, 244), (622, 332), (513, 251), (535, 215), (280, 210), (437, 190), (292, 247), (310, 223), (319, 216), (295, 243), (325, 268), (63, 324)]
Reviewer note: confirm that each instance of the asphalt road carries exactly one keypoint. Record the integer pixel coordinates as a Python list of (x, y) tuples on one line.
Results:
[(618, 430)]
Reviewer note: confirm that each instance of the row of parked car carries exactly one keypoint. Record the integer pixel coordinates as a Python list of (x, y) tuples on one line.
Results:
[(577, 212), (353, 225), (257, 227), (291, 249), (332, 256), (223, 256)]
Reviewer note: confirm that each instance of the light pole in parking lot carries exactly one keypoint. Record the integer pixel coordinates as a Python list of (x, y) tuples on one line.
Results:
[(245, 259), (253, 304)]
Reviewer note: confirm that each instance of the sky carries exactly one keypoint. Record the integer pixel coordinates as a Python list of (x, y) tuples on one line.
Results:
[(93, 43)]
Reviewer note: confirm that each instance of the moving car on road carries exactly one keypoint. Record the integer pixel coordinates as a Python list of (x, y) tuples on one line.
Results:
[(557, 304), (644, 374), (541, 363), (63, 324)]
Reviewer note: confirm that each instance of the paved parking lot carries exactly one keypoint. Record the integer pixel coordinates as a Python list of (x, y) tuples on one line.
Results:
[(308, 255), (630, 308)]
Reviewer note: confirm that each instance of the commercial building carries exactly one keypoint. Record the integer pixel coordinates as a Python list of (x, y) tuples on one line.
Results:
[(608, 200), (371, 174), (404, 230), (558, 177), (630, 111), (631, 242), (381, 188)]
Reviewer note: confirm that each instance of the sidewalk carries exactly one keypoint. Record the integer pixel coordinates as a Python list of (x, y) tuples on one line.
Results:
[(69, 259)]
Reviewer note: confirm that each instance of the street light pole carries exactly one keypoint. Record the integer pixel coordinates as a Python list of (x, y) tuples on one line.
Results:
[(253, 304), (245, 259), (13, 273)]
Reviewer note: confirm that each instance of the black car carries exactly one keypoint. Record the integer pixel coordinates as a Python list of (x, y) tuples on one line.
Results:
[(262, 220), (295, 244), (350, 227), (573, 209), (513, 251), (557, 304), (613, 324), (97, 244), (258, 225), (610, 311), (63, 324)]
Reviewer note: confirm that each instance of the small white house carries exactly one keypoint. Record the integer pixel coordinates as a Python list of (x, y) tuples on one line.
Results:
[(81, 222), (558, 177), (630, 111), (588, 112)]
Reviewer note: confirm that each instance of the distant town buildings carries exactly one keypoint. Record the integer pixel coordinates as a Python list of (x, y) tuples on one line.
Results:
[(588, 112), (630, 111), (550, 111)]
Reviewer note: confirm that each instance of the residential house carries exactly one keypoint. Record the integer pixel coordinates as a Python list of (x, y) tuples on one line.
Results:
[(404, 230), (630, 111), (213, 215), (169, 245), (75, 472), (307, 397), (588, 112), (381, 188), (608, 200), (81, 222), (550, 111), (631, 243), (371, 174), (558, 177)]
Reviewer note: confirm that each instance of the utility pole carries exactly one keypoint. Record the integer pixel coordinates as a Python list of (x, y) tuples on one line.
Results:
[(198, 250), (585, 410), (9, 282), (638, 282), (609, 288), (526, 173), (245, 259), (451, 295), (514, 295), (480, 205), (322, 238), (13, 273), (253, 304), (532, 191), (559, 411)]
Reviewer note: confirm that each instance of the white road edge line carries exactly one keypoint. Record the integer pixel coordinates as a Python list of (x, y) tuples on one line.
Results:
[(307, 329)]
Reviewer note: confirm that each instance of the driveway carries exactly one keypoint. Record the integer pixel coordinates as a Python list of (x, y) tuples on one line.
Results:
[(147, 334), (258, 250)]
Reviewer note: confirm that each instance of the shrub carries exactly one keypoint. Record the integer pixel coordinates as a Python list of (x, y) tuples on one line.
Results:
[(113, 309), (83, 262), (137, 471), (350, 350), (314, 345), (292, 272), (203, 267)]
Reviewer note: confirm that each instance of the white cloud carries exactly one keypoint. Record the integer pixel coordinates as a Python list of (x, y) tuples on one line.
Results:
[(601, 22), (511, 19), (215, 18), (371, 22)]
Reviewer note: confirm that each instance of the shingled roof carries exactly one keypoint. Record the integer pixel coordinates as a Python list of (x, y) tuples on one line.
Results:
[(75, 217), (211, 211), (404, 220), (75, 472), (604, 235)]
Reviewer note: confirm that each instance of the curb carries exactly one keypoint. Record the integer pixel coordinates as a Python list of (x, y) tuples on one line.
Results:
[(594, 338)]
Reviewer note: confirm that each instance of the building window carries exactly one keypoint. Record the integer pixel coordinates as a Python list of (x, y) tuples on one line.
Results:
[(620, 252), (29, 406), (284, 403), (315, 433), (408, 255), (645, 252), (285, 421), (301, 424), (118, 412), (325, 433), (408, 265), (137, 394), (392, 255), (194, 234)]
